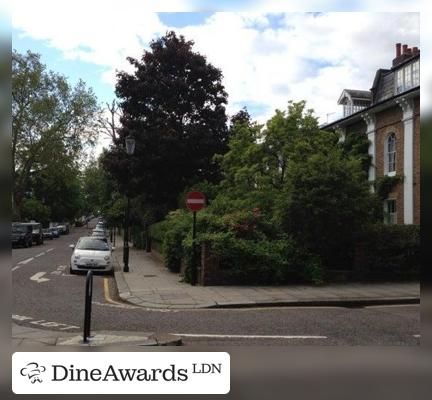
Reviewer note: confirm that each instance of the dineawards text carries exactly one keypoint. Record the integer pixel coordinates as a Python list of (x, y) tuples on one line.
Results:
[(112, 374)]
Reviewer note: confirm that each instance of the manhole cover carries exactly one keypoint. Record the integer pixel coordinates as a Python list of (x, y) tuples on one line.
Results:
[(149, 276)]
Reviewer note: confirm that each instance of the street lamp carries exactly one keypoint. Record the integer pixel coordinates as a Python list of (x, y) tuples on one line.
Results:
[(130, 148)]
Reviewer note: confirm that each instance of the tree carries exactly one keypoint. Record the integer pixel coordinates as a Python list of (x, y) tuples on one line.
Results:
[(108, 123), (310, 186), (58, 187), (174, 105), (99, 188), (51, 121), (325, 204), (33, 209)]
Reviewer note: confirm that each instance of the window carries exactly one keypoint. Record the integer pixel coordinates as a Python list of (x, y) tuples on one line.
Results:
[(399, 78), (390, 215), (416, 73), (390, 154), (408, 77)]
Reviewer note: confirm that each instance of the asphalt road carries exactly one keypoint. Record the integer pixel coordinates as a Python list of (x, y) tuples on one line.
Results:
[(46, 296)]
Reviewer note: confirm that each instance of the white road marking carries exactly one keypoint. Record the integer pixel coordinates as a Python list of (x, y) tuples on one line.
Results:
[(215, 336), (26, 261), (393, 305), (16, 267), (60, 271), (417, 336), (42, 322), (20, 317), (49, 250), (40, 254), (37, 277), (97, 303)]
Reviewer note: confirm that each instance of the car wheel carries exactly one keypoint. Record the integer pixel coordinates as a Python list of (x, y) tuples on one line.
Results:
[(71, 271), (30, 243), (26, 244)]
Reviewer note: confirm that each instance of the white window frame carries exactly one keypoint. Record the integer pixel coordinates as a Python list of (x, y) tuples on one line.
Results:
[(416, 73), (407, 77), (387, 164), (390, 218)]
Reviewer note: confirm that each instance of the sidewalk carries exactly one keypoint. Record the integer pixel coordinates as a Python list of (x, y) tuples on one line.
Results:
[(24, 336), (149, 284)]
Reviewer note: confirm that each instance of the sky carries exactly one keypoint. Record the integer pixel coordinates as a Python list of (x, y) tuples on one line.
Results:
[(267, 58)]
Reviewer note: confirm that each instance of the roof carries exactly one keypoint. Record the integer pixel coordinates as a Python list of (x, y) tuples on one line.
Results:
[(360, 112), (355, 94)]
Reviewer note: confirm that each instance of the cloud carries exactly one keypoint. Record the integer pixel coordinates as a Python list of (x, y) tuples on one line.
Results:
[(306, 56), (311, 56)]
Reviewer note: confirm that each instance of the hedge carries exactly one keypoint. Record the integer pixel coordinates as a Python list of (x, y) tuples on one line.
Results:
[(388, 252)]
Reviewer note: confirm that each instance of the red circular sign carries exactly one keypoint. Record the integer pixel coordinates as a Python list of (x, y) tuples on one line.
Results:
[(195, 201)]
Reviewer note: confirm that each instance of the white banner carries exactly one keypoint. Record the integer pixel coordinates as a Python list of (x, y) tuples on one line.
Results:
[(120, 373)]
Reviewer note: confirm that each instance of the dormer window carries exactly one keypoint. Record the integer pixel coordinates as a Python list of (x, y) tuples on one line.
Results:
[(354, 100), (408, 77)]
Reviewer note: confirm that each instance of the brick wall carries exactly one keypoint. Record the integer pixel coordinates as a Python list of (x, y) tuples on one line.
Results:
[(357, 127), (390, 121)]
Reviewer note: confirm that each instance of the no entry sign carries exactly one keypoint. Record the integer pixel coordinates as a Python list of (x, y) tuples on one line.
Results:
[(195, 201)]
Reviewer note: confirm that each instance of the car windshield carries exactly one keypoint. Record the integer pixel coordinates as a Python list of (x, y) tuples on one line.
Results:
[(92, 244), (19, 229)]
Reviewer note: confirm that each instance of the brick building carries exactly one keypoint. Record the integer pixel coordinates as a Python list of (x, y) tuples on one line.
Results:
[(389, 114)]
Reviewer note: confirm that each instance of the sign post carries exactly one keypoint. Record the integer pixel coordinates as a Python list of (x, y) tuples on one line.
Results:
[(195, 201)]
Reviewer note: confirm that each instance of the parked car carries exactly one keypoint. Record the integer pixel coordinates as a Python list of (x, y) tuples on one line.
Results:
[(63, 228), (100, 237), (55, 232), (37, 234), (47, 234), (22, 235), (91, 253)]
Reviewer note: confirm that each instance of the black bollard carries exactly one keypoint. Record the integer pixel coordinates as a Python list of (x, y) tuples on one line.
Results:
[(88, 304)]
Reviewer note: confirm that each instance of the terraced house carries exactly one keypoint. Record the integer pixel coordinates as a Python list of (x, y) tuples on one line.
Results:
[(389, 114)]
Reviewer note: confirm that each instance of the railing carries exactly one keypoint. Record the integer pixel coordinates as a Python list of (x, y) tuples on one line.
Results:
[(349, 109)]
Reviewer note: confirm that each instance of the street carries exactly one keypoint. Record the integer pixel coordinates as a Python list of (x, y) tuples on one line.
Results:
[(46, 296)]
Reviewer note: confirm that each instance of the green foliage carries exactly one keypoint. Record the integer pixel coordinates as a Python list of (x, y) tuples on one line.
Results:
[(33, 209), (264, 261), (174, 105), (179, 223), (385, 184), (357, 145), (53, 124), (389, 252), (114, 212), (292, 204), (325, 204)]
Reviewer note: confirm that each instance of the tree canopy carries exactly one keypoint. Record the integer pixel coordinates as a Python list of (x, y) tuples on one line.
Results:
[(174, 106), (53, 123)]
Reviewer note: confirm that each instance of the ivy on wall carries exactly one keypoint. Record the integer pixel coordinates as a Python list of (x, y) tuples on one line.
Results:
[(385, 184)]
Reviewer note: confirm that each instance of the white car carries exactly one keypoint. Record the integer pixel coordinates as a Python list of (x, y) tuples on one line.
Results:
[(91, 253)]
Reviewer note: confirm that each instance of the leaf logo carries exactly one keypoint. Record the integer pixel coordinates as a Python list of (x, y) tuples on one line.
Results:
[(33, 370)]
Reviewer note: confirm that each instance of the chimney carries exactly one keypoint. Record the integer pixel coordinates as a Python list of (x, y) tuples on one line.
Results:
[(415, 50), (404, 49), (409, 51), (398, 49)]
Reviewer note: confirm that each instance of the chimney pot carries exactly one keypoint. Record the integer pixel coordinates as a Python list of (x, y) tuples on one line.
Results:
[(398, 49), (409, 51), (404, 49), (415, 50)]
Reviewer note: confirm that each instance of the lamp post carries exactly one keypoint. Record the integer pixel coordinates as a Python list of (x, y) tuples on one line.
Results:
[(130, 148)]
